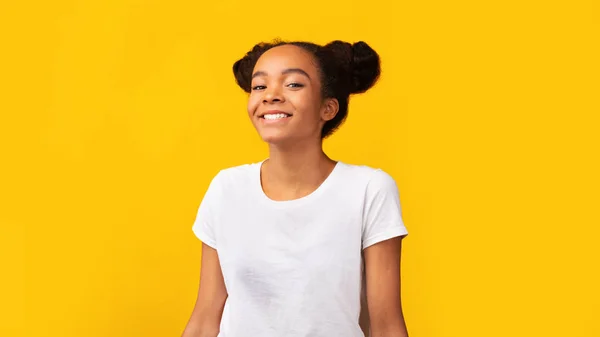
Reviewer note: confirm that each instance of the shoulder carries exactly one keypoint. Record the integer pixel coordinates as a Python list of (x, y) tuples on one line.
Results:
[(371, 177), (235, 176), (238, 171)]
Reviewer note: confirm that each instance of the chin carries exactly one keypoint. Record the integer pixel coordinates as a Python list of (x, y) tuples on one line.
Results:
[(274, 139), (281, 137)]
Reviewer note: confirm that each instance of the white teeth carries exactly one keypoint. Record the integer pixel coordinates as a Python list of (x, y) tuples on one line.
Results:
[(274, 116)]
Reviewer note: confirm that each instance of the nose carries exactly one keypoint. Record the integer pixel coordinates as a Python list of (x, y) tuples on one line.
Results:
[(273, 94)]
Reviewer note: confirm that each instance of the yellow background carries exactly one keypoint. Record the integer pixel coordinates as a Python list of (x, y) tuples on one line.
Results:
[(115, 115)]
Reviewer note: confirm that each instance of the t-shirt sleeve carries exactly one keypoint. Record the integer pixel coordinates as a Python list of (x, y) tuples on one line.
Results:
[(204, 224), (383, 212)]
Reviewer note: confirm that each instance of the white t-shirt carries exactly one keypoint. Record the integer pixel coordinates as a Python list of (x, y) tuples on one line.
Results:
[(294, 268)]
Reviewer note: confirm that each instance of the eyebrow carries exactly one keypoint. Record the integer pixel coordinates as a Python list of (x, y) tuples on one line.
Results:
[(285, 72)]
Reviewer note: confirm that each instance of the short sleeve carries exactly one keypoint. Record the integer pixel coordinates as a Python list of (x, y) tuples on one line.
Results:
[(204, 224), (383, 212)]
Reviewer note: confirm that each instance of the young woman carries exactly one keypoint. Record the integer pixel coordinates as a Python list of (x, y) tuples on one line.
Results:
[(300, 244)]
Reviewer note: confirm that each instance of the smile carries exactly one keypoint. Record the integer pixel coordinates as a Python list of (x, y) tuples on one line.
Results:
[(275, 116)]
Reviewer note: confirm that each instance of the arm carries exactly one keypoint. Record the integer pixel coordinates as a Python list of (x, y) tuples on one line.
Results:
[(382, 268), (206, 316)]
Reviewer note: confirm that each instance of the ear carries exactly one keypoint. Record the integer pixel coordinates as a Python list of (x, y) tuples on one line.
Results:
[(331, 106)]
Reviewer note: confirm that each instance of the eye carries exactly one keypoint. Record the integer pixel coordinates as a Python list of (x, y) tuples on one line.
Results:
[(258, 87), (295, 85)]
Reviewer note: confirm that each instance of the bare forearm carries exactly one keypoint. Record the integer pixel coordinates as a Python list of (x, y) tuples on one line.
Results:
[(194, 329), (389, 327), (390, 332), (200, 326), (205, 320)]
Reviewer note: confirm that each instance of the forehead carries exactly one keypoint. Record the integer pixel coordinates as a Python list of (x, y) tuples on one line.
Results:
[(285, 57)]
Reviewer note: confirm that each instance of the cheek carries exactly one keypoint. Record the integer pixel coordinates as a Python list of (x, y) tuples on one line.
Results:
[(310, 106), (253, 101)]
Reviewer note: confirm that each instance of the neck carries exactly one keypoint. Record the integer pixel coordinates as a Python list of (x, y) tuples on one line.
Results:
[(298, 166)]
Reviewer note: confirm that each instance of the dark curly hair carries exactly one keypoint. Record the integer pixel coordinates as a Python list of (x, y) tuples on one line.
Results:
[(344, 69)]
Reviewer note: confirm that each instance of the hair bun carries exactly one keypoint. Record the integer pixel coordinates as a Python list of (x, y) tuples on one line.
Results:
[(360, 63), (365, 68)]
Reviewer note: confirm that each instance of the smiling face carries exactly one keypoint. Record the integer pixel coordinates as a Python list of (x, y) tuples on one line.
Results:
[(285, 103)]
